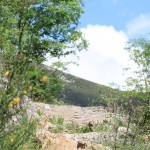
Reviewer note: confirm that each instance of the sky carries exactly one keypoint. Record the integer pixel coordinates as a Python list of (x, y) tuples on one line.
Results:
[(108, 25)]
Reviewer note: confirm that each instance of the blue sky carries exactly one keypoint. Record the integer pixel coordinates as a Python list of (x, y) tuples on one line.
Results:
[(108, 25), (113, 12)]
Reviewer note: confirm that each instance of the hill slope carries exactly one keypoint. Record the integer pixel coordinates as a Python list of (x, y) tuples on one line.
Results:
[(80, 92)]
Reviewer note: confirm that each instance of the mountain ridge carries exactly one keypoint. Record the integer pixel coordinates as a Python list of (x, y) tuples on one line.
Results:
[(78, 91)]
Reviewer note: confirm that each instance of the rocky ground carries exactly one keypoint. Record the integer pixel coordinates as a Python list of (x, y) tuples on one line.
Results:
[(74, 127), (80, 115), (55, 135)]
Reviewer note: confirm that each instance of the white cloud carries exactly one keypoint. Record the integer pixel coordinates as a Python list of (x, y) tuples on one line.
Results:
[(106, 41), (104, 61), (138, 26), (105, 58)]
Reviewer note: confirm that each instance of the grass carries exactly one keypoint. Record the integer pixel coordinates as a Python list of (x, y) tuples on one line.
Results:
[(105, 126), (58, 129), (57, 120), (120, 146), (75, 128)]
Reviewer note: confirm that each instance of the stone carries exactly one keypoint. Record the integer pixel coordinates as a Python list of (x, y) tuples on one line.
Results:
[(122, 131), (47, 107), (95, 137), (30, 106), (51, 141), (100, 147), (88, 145), (15, 119), (81, 145), (45, 124), (146, 137)]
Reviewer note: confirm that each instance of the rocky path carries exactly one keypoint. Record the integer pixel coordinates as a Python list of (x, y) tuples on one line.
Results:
[(71, 114), (80, 115)]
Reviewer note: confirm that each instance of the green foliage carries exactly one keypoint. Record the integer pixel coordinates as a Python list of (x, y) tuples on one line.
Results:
[(45, 86), (135, 100), (34, 144), (13, 88), (81, 92), (73, 128), (103, 127), (140, 146), (30, 29), (99, 127), (14, 136), (57, 120), (139, 50)]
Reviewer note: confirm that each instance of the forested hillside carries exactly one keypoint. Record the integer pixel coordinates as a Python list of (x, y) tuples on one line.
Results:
[(78, 91), (34, 31), (81, 92)]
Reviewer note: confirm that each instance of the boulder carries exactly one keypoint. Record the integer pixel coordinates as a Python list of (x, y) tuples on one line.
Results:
[(30, 107), (122, 131), (45, 124), (100, 147), (51, 141)]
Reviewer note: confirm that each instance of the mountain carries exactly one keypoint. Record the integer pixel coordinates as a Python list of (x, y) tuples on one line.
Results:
[(81, 92), (78, 91)]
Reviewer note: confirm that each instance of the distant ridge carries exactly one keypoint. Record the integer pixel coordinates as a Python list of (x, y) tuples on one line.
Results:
[(78, 91)]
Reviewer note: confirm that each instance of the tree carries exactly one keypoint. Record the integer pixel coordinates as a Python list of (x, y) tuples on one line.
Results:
[(35, 28), (29, 29), (139, 50), (138, 86)]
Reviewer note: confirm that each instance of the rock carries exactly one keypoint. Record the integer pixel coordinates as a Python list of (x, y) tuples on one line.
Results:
[(83, 145), (95, 137), (4, 83), (78, 114), (146, 137), (51, 141), (100, 147), (122, 131), (87, 145), (47, 107), (30, 107), (45, 124), (15, 119)]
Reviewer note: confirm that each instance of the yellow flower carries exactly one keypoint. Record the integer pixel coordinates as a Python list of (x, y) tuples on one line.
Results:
[(6, 74), (16, 100), (24, 92), (11, 138), (24, 148), (30, 88), (10, 105), (44, 78)]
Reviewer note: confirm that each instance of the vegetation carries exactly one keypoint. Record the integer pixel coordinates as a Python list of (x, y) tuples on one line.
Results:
[(57, 120), (76, 128), (30, 29), (135, 101), (81, 92), (139, 88)]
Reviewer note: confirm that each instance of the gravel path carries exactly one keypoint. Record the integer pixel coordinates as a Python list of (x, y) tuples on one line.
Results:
[(80, 115)]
